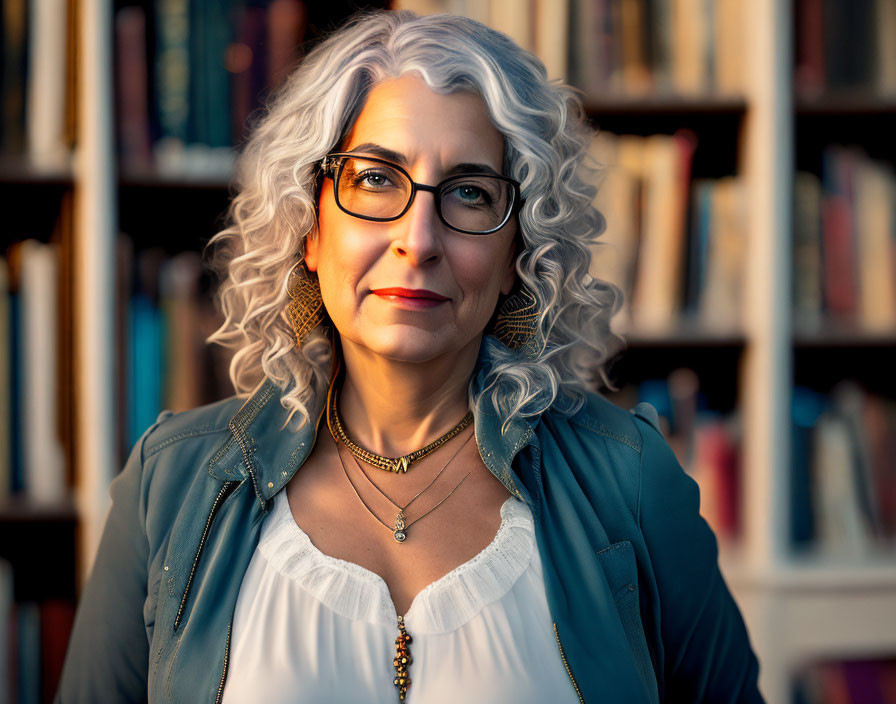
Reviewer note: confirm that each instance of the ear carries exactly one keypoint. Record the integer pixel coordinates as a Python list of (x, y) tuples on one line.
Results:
[(312, 250)]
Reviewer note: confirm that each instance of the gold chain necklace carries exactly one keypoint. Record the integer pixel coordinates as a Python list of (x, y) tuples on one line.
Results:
[(401, 509), (399, 531), (390, 464)]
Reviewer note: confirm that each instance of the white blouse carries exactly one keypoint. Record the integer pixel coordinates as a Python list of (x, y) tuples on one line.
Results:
[(309, 627)]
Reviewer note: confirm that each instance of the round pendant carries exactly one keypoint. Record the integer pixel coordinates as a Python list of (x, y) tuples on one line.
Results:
[(400, 536)]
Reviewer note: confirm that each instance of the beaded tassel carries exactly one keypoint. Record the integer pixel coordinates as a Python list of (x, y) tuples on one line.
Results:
[(402, 660)]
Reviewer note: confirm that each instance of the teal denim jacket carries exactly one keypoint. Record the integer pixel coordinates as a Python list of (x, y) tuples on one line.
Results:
[(641, 612)]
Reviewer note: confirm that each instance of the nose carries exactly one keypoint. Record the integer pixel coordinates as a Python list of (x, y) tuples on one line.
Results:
[(418, 233)]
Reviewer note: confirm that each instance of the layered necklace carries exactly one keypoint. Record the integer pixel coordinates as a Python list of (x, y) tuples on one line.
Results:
[(390, 464), (403, 659), (400, 527)]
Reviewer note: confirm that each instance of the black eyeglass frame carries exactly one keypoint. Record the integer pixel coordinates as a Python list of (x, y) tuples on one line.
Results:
[(336, 162)]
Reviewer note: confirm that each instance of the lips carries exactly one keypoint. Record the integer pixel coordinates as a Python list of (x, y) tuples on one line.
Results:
[(410, 293)]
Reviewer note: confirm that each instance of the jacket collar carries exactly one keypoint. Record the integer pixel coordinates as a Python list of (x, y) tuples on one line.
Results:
[(264, 449)]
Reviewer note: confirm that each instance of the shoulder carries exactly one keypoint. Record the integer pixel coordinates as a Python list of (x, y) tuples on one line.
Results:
[(602, 443), (603, 419), (208, 422)]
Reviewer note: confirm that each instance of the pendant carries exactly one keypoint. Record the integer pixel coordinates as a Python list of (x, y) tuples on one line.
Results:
[(399, 533), (402, 660), (400, 465)]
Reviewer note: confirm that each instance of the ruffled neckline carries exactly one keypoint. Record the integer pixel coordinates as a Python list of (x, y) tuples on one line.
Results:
[(362, 595)]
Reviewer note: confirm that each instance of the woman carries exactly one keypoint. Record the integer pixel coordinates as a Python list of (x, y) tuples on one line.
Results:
[(406, 272)]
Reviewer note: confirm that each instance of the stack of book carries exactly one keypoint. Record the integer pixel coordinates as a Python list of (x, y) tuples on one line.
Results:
[(844, 245), (190, 75), (843, 489), (32, 461), (33, 640), (37, 84), (674, 246), (845, 46), (847, 682), (165, 312), (637, 47), (623, 47)]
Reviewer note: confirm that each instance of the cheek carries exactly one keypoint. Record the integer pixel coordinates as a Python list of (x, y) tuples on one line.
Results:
[(484, 275)]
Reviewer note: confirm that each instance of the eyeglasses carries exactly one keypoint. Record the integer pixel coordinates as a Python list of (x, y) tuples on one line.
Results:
[(375, 189)]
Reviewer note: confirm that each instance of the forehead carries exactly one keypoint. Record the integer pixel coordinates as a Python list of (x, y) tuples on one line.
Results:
[(405, 115)]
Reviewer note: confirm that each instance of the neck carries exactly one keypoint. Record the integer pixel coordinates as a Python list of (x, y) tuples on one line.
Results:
[(393, 408)]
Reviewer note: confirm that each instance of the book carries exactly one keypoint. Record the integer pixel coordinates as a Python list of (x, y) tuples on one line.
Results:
[(841, 527), (808, 300), (614, 254), (551, 41), (43, 459), (715, 468), (720, 298), (178, 301), (515, 19), (46, 91), (15, 62), (146, 372), (134, 140), (874, 213), (7, 613), (838, 234), (658, 290), (634, 61), (728, 50), (6, 400), (287, 24), (806, 407)]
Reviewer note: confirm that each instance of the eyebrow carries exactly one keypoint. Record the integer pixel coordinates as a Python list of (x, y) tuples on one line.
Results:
[(391, 155)]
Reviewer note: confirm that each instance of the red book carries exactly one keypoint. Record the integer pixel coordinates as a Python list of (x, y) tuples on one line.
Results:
[(839, 257), (809, 77), (56, 619)]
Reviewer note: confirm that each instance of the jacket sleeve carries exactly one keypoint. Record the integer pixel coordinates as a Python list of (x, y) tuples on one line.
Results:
[(707, 656), (108, 654)]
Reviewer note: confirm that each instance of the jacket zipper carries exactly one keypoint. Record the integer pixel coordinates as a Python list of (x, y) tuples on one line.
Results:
[(226, 659), (566, 665), (222, 494)]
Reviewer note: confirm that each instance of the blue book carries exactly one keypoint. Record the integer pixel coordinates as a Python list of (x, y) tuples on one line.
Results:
[(211, 34), (698, 250), (806, 408), (145, 371)]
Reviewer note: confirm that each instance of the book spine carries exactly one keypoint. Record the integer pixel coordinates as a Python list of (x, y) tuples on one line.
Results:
[(44, 467), (46, 83)]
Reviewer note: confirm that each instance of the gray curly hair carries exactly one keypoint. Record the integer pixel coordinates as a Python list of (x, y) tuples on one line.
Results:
[(274, 210)]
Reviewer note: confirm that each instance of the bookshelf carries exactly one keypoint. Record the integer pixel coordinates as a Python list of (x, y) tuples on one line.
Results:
[(801, 606)]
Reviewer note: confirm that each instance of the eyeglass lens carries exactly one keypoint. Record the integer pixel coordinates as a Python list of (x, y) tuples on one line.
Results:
[(372, 189)]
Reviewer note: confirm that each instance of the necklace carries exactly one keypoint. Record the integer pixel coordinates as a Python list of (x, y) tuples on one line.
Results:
[(401, 509), (390, 464), (399, 531)]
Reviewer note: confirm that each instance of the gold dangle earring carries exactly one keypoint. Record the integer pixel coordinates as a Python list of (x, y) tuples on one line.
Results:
[(516, 319), (306, 308)]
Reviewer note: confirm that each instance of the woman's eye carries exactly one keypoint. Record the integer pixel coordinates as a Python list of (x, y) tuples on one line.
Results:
[(472, 195), (372, 179)]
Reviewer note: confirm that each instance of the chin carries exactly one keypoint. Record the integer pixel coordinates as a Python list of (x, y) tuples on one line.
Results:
[(414, 345)]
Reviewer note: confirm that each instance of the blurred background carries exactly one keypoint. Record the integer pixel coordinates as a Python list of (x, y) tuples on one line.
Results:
[(745, 166)]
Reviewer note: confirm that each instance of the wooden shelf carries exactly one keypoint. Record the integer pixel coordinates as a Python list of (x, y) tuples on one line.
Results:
[(683, 336), (846, 103), (841, 335), (22, 510), (14, 170), (665, 105), (149, 179)]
